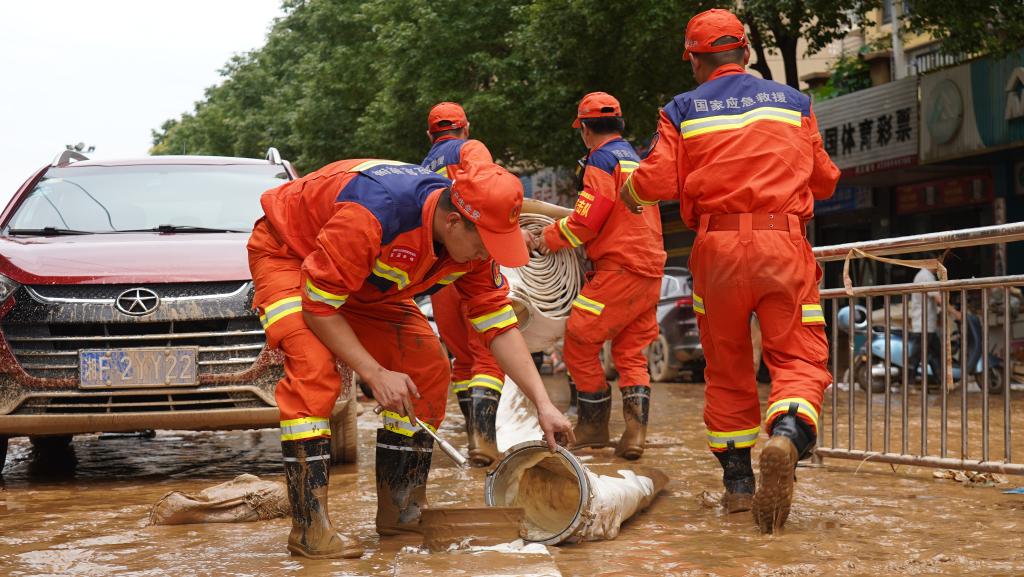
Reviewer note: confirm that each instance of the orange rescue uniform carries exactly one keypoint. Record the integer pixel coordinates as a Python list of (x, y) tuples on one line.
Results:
[(355, 238), (474, 365), (744, 158), (618, 302)]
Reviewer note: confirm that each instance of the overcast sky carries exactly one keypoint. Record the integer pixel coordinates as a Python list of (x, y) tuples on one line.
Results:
[(107, 72)]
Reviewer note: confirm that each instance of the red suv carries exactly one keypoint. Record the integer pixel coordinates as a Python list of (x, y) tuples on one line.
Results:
[(126, 300)]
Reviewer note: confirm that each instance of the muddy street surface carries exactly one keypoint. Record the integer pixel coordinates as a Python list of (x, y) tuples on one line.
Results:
[(82, 511)]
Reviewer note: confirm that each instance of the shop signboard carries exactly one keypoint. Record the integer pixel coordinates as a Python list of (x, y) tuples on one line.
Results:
[(942, 194), (871, 130), (845, 199), (973, 108)]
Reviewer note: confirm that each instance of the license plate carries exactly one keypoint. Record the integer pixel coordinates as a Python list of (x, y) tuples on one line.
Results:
[(152, 367)]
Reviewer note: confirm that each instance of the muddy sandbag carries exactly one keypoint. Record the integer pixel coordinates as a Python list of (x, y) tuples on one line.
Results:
[(242, 499)]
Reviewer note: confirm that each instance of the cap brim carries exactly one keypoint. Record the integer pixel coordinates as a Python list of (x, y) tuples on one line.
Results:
[(576, 123), (506, 248)]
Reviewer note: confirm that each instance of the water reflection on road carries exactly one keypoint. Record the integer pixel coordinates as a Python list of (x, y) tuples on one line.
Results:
[(81, 511)]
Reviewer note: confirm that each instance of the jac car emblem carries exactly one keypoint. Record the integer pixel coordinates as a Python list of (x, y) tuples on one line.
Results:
[(137, 302)]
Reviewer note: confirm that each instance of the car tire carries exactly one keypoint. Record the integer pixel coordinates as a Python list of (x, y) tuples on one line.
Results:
[(344, 431), (659, 364), (607, 363), (50, 443)]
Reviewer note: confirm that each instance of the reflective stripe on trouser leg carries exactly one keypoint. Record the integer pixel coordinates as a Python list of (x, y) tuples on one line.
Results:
[(803, 408), (398, 424), (720, 440), (305, 428), (487, 381)]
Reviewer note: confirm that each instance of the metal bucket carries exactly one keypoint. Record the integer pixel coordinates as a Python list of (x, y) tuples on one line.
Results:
[(553, 489)]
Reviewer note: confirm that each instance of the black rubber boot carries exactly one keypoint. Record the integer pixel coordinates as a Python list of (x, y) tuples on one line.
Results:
[(465, 405), (791, 440), (738, 478), (402, 467), (636, 405), (307, 472), (591, 428), (574, 399), (483, 448)]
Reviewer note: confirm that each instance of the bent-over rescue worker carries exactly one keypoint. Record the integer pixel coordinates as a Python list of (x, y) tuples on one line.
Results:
[(476, 376), (618, 303), (744, 158), (336, 261)]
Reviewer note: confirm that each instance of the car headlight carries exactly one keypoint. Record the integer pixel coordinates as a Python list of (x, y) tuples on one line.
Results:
[(7, 288)]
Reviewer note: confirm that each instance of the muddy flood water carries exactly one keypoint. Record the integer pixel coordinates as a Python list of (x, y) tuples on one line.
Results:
[(84, 513)]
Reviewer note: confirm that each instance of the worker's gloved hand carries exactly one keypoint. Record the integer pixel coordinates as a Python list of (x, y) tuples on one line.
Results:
[(555, 426), (394, 391)]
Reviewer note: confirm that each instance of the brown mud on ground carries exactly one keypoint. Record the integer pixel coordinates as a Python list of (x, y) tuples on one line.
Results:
[(84, 514)]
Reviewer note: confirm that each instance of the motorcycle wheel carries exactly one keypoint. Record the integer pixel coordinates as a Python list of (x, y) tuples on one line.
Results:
[(864, 379), (996, 383)]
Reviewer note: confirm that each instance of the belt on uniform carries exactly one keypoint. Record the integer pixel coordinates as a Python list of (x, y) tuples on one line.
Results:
[(759, 221)]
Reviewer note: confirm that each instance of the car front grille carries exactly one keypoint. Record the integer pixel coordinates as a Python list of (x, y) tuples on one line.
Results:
[(138, 401), (109, 292)]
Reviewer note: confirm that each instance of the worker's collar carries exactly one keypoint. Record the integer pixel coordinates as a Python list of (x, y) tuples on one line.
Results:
[(726, 70), (606, 141), (429, 208), (446, 137)]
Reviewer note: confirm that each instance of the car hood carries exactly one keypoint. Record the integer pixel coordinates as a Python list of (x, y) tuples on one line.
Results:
[(125, 258)]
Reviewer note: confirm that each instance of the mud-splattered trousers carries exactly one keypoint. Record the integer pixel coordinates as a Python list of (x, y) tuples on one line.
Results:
[(355, 239), (744, 158)]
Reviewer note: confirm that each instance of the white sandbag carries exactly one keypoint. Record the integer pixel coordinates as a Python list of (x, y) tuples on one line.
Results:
[(242, 499)]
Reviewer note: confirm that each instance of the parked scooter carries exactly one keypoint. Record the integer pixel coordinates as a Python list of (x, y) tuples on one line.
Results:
[(869, 369)]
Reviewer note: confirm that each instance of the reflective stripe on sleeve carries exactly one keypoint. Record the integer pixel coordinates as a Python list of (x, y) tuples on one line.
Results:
[(563, 226), (696, 127), (590, 305), (393, 274), (803, 407), (321, 296), (628, 166), (487, 381), (305, 428), (280, 309), (698, 304), (812, 315), (740, 439), (503, 317), (399, 424), (449, 279), (636, 198)]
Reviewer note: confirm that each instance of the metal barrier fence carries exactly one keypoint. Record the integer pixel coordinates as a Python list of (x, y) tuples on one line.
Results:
[(898, 399)]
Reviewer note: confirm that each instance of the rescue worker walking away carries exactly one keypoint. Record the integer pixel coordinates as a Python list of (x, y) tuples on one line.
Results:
[(476, 376), (618, 303), (336, 261), (744, 158)]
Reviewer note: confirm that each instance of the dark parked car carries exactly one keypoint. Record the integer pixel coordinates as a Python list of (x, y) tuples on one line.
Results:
[(126, 301)]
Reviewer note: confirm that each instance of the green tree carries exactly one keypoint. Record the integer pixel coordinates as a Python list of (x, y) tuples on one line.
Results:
[(778, 25), (970, 26)]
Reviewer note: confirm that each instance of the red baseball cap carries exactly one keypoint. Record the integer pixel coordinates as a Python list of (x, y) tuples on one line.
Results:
[(707, 27), (446, 116), (597, 105), (492, 197)]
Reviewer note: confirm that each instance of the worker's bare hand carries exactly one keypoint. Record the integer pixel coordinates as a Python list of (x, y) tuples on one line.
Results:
[(554, 424), (628, 200), (394, 391), (536, 243)]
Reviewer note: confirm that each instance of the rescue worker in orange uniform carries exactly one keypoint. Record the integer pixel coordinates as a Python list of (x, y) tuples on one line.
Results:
[(336, 261), (476, 376), (744, 158), (618, 303)]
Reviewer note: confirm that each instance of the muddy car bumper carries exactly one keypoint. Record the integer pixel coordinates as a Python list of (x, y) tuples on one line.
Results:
[(16, 425)]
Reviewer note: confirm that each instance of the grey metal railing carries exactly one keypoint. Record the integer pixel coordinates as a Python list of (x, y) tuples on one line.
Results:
[(889, 387)]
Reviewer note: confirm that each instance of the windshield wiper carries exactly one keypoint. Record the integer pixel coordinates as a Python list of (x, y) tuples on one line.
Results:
[(182, 228), (47, 231)]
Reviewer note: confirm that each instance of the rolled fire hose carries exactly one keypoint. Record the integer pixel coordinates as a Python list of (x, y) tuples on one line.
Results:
[(542, 291), (563, 501)]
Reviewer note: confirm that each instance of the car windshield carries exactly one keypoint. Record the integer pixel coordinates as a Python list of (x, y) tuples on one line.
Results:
[(103, 199)]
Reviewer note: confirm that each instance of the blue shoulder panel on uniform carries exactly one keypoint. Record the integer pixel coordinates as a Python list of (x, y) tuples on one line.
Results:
[(602, 159), (394, 194), (442, 154), (735, 95), (611, 153)]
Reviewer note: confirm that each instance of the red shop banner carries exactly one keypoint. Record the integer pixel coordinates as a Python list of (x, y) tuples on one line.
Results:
[(946, 193)]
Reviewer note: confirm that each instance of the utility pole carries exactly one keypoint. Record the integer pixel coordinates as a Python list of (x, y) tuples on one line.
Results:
[(899, 60)]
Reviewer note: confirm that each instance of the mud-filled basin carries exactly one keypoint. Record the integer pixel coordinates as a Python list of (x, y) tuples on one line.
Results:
[(552, 489), (470, 526)]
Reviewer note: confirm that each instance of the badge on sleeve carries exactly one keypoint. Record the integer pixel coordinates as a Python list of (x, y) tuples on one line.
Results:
[(496, 276)]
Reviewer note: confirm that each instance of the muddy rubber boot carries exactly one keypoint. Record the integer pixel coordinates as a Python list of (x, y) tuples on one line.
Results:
[(636, 405), (591, 428), (738, 478), (483, 447), (574, 400), (465, 405), (402, 467), (791, 440), (307, 471)]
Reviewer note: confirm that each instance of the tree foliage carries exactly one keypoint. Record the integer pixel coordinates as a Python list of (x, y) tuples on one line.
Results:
[(971, 26), (346, 78)]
